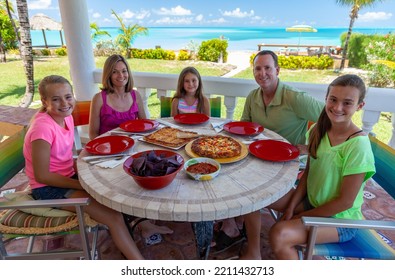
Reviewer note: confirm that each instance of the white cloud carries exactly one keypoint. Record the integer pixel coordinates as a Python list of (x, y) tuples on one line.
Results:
[(40, 4), (373, 16), (176, 11), (219, 20), (96, 15), (175, 20), (143, 14), (237, 13), (199, 17), (128, 14)]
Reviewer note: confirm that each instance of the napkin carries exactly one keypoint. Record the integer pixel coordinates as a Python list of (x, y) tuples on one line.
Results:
[(166, 123), (112, 163), (250, 140), (218, 126)]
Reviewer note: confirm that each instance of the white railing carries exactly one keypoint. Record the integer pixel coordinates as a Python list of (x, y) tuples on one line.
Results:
[(377, 100)]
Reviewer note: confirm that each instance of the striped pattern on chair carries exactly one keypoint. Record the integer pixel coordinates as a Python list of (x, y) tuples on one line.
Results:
[(367, 244), (165, 106)]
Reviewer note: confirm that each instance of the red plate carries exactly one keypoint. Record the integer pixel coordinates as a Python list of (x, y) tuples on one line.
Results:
[(193, 118), (243, 128), (139, 125), (273, 150), (108, 145)]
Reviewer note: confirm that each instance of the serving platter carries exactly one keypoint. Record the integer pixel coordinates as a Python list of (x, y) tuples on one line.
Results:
[(243, 153)]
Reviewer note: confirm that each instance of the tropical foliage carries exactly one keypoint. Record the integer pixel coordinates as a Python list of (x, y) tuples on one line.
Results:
[(356, 5), (97, 33), (128, 34)]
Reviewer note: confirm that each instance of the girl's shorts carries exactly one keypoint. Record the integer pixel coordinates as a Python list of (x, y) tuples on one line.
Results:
[(50, 192), (345, 234)]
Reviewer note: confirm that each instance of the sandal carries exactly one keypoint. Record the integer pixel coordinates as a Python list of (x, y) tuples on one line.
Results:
[(224, 241)]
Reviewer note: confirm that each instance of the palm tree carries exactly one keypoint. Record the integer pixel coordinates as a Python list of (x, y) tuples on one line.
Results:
[(356, 5), (25, 49), (128, 34), (97, 32)]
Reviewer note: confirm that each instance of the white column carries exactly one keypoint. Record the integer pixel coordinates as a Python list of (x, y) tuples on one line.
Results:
[(392, 139), (75, 21)]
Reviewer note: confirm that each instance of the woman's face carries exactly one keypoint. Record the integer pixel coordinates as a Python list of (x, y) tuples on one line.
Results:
[(191, 83), (59, 101), (341, 103), (120, 75)]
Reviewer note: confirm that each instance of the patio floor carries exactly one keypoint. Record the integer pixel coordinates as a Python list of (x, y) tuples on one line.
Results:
[(181, 244)]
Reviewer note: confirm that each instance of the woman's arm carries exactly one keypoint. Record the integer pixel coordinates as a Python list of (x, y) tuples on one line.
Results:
[(206, 106), (174, 107), (41, 151), (140, 104), (94, 117)]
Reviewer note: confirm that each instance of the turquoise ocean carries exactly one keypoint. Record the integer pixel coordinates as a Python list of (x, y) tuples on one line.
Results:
[(239, 38)]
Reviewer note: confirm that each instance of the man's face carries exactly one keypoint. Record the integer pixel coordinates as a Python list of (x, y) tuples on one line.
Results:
[(265, 72)]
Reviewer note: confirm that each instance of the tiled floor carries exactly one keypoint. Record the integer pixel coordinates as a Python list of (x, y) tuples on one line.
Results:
[(181, 244)]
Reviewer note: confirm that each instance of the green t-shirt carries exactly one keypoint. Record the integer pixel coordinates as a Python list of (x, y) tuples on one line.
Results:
[(287, 114), (326, 173)]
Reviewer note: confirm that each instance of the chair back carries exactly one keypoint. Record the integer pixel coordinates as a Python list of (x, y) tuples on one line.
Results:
[(11, 156), (215, 107), (384, 157), (81, 113), (165, 106)]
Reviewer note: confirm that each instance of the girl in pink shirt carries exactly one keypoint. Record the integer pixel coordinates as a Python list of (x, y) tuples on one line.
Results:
[(49, 162)]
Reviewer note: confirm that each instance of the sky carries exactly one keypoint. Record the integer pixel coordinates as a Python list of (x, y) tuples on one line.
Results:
[(225, 13)]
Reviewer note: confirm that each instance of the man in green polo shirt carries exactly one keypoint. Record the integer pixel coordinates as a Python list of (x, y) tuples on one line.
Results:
[(277, 106), (282, 109)]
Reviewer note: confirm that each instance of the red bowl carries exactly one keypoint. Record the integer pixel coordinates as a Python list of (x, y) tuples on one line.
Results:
[(153, 182)]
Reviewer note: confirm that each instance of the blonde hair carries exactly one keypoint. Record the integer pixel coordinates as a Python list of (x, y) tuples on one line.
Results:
[(324, 124), (49, 80), (108, 68), (180, 92)]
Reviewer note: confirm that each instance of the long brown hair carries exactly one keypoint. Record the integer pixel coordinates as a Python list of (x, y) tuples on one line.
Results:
[(108, 67), (324, 124), (49, 80), (180, 92)]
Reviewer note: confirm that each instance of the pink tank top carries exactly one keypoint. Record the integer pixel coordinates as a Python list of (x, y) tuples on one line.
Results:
[(110, 118)]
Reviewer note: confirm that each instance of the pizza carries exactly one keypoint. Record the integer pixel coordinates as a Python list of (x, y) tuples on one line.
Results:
[(216, 147), (167, 136)]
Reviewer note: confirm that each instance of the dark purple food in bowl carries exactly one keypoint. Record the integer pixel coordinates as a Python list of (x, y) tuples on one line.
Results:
[(154, 169)]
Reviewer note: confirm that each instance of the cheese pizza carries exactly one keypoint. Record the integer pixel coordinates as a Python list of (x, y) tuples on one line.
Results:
[(216, 147), (167, 136)]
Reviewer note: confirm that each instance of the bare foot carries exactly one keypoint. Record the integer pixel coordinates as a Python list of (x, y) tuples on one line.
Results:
[(148, 228)]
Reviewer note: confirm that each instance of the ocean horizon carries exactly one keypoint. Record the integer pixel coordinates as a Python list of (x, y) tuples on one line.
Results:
[(239, 38)]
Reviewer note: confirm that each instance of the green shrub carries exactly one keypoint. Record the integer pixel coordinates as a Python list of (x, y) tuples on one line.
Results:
[(381, 75), (61, 52), (183, 55), (105, 48), (305, 62), (211, 50), (45, 52), (153, 54)]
